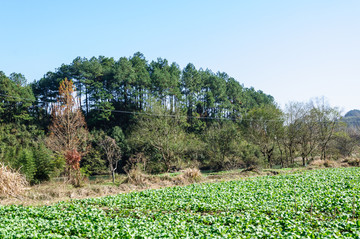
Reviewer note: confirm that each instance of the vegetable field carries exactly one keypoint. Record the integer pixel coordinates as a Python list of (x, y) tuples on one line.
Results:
[(321, 203)]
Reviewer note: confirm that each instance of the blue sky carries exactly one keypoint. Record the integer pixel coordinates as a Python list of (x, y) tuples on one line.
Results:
[(293, 50)]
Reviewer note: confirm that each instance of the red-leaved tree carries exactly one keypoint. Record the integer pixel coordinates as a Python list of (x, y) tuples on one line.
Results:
[(68, 133)]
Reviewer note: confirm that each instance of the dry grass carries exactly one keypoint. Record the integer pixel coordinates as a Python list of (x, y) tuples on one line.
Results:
[(355, 162), (136, 180), (52, 192), (12, 183), (136, 176), (254, 169), (325, 163), (191, 175)]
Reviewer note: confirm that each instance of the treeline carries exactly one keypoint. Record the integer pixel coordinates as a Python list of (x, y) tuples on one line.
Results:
[(108, 87), (162, 118)]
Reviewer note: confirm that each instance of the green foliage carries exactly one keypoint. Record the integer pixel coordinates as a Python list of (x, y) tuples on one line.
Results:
[(162, 135), (59, 164), (26, 162), (16, 98), (46, 165), (227, 149), (315, 204), (22, 148), (169, 114), (155, 164), (263, 125), (345, 142), (223, 146), (119, 136), (250, 154), (111, 89), (127, 85), (93, 163)]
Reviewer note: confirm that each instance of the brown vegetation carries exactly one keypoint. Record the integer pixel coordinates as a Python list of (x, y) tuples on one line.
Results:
[(345, 162), (191, 175), (252, 169), (136, 176), (68, 133), (12, 183), (350, 162), (137, 180)]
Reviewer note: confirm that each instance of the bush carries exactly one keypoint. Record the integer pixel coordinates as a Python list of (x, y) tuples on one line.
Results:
[(93, 163), (45, 164), (22, 148), (164, 136), (26, 164)]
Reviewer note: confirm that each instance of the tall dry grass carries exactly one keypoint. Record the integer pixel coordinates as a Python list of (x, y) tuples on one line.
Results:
[(191, 175), (136, 176), (325, 163), (12, 183)]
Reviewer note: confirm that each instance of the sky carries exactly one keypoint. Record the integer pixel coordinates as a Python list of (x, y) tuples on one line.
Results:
[(293, 50)]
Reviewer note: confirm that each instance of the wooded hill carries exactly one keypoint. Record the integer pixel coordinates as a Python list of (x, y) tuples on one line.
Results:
[(157, 117)]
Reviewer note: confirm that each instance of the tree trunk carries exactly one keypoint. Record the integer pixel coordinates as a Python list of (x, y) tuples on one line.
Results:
[(304, 161), (86, 101), (113, 176), (269, 160)]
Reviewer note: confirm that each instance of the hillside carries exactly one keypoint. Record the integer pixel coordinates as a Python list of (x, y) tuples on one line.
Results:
[(352, 118)]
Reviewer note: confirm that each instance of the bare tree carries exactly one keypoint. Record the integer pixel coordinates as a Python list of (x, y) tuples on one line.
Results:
[(327, 119), (112, 152), (310, 127), (264, 127), (294, 113), (307, 135)]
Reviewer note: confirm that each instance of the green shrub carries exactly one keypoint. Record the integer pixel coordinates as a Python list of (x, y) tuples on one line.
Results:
[(26, 163)]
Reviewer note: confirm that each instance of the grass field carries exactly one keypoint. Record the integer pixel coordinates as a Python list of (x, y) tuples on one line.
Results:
[(318, 203)]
